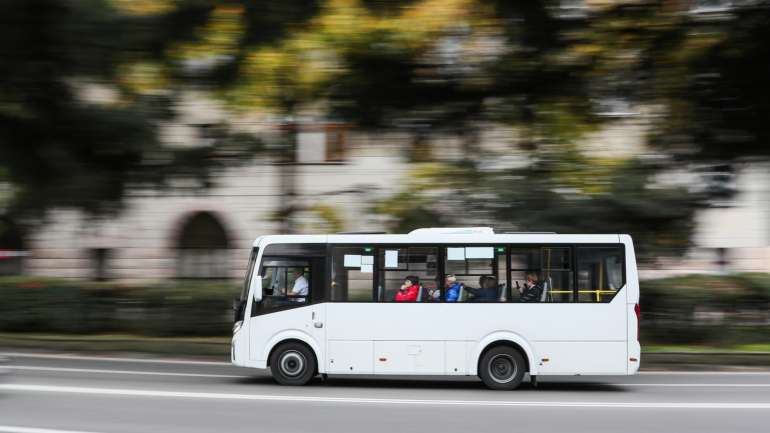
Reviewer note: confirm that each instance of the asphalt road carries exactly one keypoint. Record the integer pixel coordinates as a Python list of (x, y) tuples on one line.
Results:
[(59, 393)]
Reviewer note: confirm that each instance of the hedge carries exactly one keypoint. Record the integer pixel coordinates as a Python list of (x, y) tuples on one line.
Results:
[(707, 309), (175, 308)]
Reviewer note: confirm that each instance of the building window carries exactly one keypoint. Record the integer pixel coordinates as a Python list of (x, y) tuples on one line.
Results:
[(336, 144), (327, 144), (12, 251), (203, 248), (100, 257)]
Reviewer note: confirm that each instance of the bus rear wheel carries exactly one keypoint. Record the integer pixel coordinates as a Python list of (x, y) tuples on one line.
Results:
[(292, 364), (502, 368)]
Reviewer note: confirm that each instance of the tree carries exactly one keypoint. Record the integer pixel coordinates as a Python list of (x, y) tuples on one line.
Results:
[(57, 147), (700, 72)]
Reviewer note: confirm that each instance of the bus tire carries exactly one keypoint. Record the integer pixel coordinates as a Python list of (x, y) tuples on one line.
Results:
[(292, 364), (502, 368)]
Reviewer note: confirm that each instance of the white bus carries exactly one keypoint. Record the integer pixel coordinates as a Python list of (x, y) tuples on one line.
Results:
[(476, 303)]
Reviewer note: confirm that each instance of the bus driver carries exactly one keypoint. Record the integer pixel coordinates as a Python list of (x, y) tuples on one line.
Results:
[(300, 289)]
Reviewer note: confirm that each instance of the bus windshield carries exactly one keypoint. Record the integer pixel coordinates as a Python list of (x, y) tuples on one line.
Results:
[(249, 274)]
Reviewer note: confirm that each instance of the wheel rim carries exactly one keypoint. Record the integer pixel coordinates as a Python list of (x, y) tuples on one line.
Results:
[(502, 368), (292, 363)]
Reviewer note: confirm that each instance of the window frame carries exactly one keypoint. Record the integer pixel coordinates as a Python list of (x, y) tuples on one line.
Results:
[(305, 251), (327, 294), (380, 249), (623, 265), (495, 268)]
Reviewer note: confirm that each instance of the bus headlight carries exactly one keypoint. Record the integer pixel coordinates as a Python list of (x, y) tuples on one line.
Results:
[(237, 326)]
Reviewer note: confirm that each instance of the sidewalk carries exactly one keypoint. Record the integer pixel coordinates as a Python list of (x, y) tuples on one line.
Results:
[(214, 348)]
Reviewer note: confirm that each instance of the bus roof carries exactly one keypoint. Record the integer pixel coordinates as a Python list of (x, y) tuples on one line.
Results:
[(457, 235)]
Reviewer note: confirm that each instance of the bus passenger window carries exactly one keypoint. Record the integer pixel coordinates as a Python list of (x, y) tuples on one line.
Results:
[(417, 262), (542, 274), (557, 275), (523, 261), (600, 273), (352, 274), (477, 269)]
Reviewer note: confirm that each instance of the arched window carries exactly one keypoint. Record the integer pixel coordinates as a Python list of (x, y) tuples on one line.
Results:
[(12, 251), (203, 248)]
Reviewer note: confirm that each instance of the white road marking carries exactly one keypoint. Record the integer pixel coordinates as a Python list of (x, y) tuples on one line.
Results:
[(110, 359), (705, 373), (17, 429), (234, 376), (136, 372), (379, 401), (686, 385)]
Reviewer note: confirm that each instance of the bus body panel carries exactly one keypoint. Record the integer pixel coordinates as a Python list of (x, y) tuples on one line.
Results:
[(350, 357), (554, 332)]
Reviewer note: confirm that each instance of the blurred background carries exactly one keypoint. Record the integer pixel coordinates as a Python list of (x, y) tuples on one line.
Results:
[(144, 144)]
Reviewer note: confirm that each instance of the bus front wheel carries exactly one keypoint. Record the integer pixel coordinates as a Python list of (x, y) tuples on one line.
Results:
[(292, 364), (502, 367)]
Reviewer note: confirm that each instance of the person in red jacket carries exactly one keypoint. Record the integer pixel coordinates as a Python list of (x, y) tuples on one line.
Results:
[(409, 290)]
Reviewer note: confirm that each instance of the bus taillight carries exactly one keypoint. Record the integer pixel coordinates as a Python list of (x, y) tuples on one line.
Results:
[(638, 311)]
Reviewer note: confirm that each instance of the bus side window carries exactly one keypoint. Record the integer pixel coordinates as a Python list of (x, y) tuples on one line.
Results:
[(600, 273), (286, 283), (398, 263), (557, 275), (352, 276), (480, 270)]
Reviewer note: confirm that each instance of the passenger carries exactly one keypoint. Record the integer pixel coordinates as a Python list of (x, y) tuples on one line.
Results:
[(453, 289), (487, 292), (532, 290), (408, 291), (300, 289)]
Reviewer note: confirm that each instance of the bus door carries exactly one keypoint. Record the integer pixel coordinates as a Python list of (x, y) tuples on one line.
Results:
[(289, 286)]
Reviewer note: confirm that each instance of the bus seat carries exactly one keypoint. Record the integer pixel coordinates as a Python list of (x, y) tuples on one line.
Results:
[(379, 292), (461, 293), (419, 294), (501, 293), (546, 290)]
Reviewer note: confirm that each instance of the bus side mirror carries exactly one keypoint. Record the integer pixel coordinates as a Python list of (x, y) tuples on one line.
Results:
[(256, 288)]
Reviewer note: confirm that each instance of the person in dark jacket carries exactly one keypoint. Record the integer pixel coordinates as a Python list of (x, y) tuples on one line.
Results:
[(487, 292), (532, 290)]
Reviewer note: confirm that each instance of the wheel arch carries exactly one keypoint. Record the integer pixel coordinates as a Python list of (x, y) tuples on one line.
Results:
[(509, 339), (296, 337)]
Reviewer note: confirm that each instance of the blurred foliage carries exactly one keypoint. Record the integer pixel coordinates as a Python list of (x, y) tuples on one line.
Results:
[(699, 309), (703, 70), (428, 68), (564, 193)]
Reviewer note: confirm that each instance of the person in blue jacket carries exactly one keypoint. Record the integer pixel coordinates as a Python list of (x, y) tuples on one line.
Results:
[(452, 289)]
